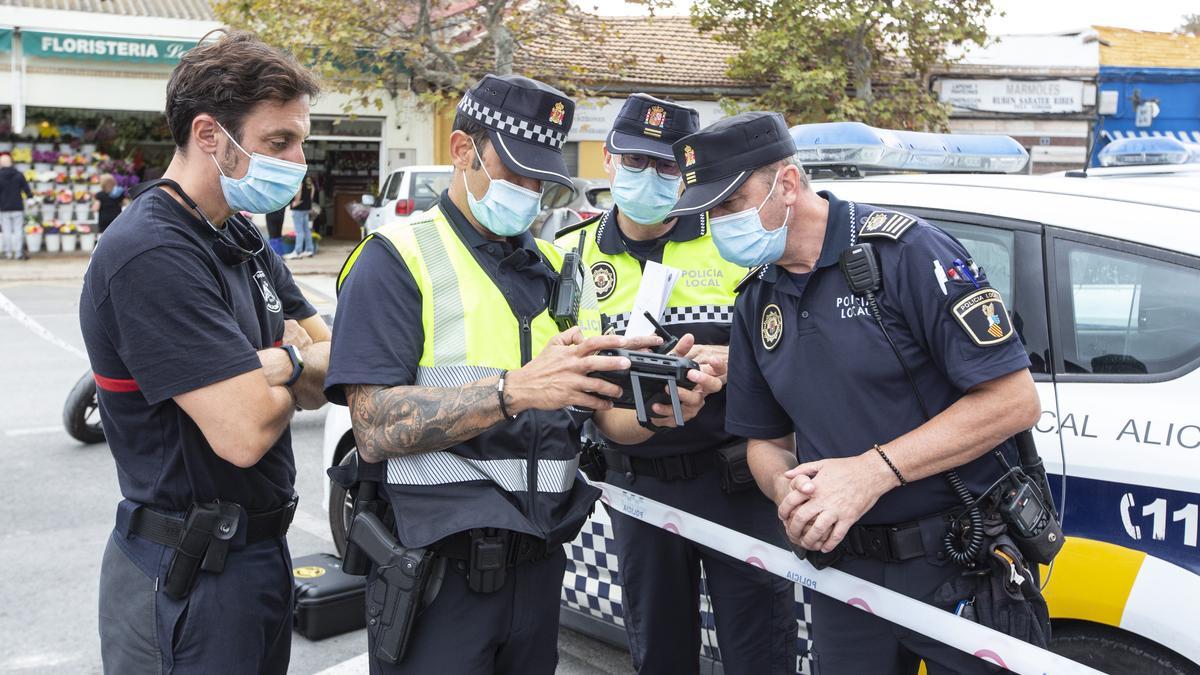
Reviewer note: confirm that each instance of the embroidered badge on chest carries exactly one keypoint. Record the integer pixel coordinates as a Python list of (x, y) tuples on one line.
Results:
[(772, 326), (982, 314), (604, 276), (268, 293)]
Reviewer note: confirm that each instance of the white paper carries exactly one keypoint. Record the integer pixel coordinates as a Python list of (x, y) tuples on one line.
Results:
[(657, 283)]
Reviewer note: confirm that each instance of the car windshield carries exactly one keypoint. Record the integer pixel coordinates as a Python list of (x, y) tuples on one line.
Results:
[(427, 187)]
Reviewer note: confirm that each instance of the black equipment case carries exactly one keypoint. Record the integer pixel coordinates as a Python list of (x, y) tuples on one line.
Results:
[(328, 601)]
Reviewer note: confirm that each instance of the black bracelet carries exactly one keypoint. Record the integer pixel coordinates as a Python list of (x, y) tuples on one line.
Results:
[(891, 466), (500, 396)]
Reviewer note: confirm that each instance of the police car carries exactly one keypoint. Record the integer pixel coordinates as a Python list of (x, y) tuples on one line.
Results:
[(1154, 160), (1103, 282)]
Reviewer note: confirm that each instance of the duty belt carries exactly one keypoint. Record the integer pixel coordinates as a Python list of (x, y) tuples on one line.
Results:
[(669, 468), (164, 529), (512, 548), (889, 543)]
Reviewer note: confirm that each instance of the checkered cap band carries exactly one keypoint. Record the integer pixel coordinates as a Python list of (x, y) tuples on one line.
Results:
[(510, 124)]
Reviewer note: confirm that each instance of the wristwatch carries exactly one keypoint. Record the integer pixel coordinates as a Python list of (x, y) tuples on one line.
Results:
[(297, 363)]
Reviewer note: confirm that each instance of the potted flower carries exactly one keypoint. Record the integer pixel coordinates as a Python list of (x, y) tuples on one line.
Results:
[(316, 242), (83, 205), (87, 238), (289, 243), (49, 204), (70, 237), (53, 236), (33, 237), (66, 207)]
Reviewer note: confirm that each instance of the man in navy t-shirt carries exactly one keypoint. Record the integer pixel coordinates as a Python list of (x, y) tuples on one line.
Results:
[(202, 347), (821, 374)]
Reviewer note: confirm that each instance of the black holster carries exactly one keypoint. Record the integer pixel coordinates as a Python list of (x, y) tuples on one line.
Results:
[(395, 596), (362, 481), (203, 545)]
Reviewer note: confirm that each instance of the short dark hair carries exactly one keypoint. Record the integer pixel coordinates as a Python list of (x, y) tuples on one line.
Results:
[(226, 78), (475, 130)]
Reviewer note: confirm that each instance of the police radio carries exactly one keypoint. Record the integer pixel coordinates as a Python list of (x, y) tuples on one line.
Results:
[(568, 288)]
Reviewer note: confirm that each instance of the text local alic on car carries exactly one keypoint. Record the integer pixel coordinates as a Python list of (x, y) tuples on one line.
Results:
[(1102, 280)]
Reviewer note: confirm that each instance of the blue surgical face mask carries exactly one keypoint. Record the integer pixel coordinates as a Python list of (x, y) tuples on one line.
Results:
[(505, 209), (741, 238), (645, 197), (269, 183)]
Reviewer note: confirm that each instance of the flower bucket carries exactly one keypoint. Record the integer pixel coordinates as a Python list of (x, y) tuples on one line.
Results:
[(53, 243), (44, 147), (88, 149), (6, 146), (43, 186), (94, 188), (23, 166), (65, 148), (83, 211), (42, 167), (69, 241), (33, 242), (48, 212), (87, 242), (66, 211)]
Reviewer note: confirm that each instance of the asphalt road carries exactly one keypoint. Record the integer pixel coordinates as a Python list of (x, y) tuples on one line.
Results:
[(59, 497)]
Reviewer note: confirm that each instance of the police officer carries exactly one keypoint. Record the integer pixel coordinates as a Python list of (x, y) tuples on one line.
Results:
[(457, 376), (184, 310), (812, 377), (700, 468)]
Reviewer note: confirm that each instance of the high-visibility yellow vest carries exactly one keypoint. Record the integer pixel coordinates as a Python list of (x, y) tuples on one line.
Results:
[(703, 294)]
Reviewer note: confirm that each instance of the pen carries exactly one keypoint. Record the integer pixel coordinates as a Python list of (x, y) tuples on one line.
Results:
[(966, 273), (940, 275)]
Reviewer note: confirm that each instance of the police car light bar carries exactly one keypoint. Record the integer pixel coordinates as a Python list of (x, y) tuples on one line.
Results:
[(1148, 150), (855, 144)]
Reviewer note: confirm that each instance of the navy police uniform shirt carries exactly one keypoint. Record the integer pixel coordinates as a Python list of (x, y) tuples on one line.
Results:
[(706, 432), (162, 315), (806, 355)]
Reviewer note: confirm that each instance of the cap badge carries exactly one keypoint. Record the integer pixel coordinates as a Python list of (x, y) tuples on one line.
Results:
[(656, 116), (557, 113), (689, 156)]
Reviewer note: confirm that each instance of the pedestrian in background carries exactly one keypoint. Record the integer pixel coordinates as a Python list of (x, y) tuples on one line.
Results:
[(14, 189), (275, 230), (302, 219), (109, 201)]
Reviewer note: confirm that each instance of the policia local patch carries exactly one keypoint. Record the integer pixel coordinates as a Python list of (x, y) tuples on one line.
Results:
[(983, 316), (772, 326), (604, 276)]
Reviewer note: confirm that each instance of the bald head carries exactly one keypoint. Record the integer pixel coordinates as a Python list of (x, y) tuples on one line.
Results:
[(5, 161)]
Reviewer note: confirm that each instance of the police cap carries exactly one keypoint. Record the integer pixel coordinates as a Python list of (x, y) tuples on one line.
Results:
[(716, 160), (648, 126), (527, 122)]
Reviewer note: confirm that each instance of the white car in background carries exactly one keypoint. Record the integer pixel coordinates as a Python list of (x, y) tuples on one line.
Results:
[(1103, 281), (406, 192)]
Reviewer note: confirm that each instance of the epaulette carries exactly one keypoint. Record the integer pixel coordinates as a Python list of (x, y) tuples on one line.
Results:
[(754, 273), (576, 227), (886, 225)]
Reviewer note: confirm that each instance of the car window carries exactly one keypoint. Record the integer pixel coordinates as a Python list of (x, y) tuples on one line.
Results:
[(992, 250), (555, 196), (600, 198), (427, 187), (391, 191), (1130, 314)]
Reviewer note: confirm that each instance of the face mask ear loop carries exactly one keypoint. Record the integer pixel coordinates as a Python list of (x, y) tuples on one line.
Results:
[(231, 139)]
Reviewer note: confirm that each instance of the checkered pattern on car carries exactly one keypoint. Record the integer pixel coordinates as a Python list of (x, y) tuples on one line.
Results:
[(511, 124), (592, 585), (674, 315)]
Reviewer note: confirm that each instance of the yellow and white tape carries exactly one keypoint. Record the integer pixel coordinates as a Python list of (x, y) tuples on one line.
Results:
[(968, 636)]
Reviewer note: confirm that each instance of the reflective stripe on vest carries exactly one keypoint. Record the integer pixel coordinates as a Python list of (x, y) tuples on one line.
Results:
[(470, 334), (703, 294)]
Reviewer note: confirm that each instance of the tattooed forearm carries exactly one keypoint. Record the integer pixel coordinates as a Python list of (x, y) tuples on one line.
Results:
[(395, 421)]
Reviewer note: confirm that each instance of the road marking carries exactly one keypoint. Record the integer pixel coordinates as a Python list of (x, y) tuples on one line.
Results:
[(354, 666), (37, 661), (35, 431), (36, 328)]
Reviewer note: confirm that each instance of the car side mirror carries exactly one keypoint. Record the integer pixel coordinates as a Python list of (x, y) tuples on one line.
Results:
[(368, 200)]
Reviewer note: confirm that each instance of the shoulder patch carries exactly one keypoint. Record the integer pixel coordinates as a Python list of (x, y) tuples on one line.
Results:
[(572, 229), (886, 224), (604, 276), (754, 273), (983, 316)]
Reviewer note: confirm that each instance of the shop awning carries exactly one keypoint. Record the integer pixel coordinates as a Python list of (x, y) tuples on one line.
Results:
[(101, 47), (5, 39)]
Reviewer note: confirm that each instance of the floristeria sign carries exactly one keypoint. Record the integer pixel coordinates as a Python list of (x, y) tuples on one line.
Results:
[(102, 47)]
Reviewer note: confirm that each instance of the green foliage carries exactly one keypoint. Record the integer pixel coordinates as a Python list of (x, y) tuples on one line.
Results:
[(829, 60)]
